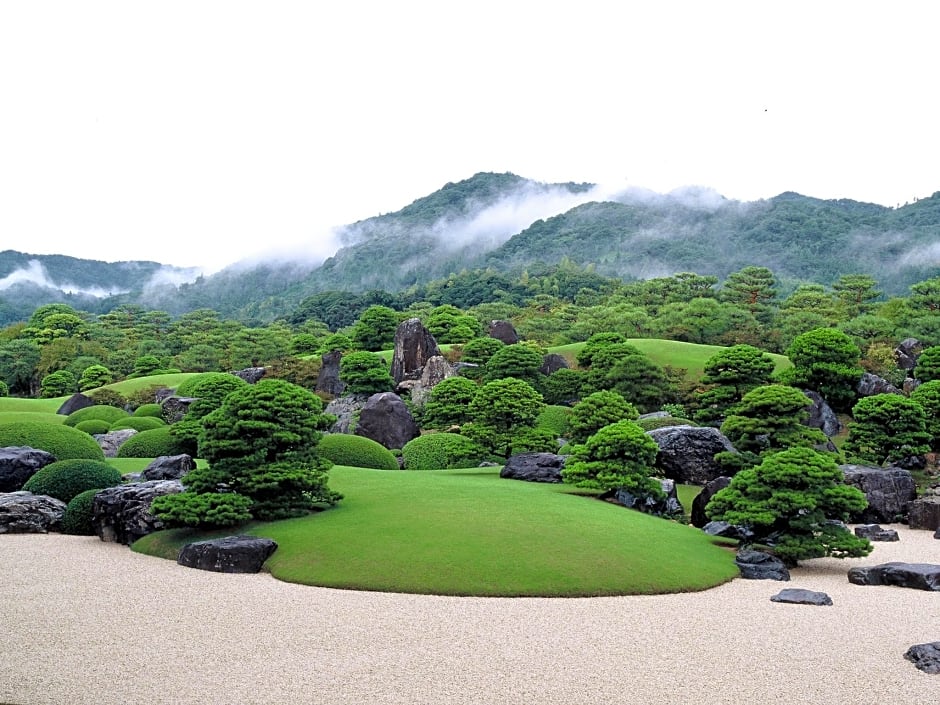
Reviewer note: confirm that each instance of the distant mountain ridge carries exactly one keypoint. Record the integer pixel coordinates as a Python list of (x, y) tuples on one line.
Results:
[(508, 223)]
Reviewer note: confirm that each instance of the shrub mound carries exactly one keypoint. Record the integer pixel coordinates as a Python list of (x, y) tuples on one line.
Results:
[(357, 451), (151, 444), (554, 418), (65, 479), (655, 422), (441, 451), (138, 423), (93, 426), (102, 412), (149, 410), (198, 385), (64, 442), (77, 519)]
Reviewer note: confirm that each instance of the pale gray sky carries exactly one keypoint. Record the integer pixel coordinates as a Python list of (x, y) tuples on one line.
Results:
[(199, 133)]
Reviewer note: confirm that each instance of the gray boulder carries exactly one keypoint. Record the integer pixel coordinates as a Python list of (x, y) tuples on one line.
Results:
[(231, 554), (110, 442), (553, 362), (18, 464), (697, 516), (168, 467), (74, 403), (385, 419), (414, 346), (798, 596), (907, 352), (504, 331), (534, 467), (122, 514), (924, 512), (870, 385), (926, 657), (251, 374), (889, 491), (174, 408), (874, 532), (435, 371), (669, 506), (757, 565), (687, 453), (328, 381), (918, 576), (28, 513), (728, 531), (346, 410), (821, 415)]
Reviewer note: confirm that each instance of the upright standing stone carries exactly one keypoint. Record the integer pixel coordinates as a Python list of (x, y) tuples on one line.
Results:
[(414, 346)]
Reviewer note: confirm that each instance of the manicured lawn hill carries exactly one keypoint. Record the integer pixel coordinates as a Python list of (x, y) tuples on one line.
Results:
[(469, 532)]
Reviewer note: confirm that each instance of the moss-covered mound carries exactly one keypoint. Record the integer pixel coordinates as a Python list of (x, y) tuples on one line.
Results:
[(554, 418), (151, 444), (441, 451), (207, 382), (64, 442), (64, 479), (655, 422), (138, 423), (102, 412), (77, 519), (154, 410), (356, 451), (93, 426)]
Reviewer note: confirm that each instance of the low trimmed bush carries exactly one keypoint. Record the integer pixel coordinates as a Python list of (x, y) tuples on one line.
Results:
[(149, 410), (102, 412), (200, 384), (93, 426), (65, 479), (441, 451), (138, 423), (64, 442), (554, 418), (356, 451), (77, 519), (655, 422), (108, 397), (150, 444)]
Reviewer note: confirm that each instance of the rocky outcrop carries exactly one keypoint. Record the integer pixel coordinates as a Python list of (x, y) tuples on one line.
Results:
[(697, 515), (907, 352), (74, 403), (889, 491), (553, 362), (534, 467), (346, 410), (918, 576), (799, 596), (231, 554), (414, 346), (28, 513), (821, 415), (328, 381), (925, 656), (168, 467), (251, 374), (385, 419), (435, 371), (110, 442), (18, 464), (728, 531), (687, 453), (924, 512), (874, 532), (757, 565), (174, 408), (122, 514), (504, 331), (669, 506), (870, 385)]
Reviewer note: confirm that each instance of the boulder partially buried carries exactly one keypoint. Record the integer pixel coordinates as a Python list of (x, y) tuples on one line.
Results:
[(168, 467), (757, 565), (799, 596), (18, 464), (27, 513), (918, 576), (122, 514), (231, 554), (925, 656), (534, 467), (385, 419)]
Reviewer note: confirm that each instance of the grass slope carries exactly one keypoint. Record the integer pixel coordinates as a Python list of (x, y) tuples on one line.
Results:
[(469, 532)]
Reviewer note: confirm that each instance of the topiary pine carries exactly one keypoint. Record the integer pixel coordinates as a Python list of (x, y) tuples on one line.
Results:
[(618, 456)]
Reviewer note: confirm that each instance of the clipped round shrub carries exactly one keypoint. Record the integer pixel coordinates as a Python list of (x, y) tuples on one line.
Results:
[(198, 385), (356, 451), (655, 422), (149, 410), (150, 444), (554, 418), (102, 412), (138, 423), (93, 426), (77, 519), (64, 479), (108, 397), (64, 442), (441, 451)]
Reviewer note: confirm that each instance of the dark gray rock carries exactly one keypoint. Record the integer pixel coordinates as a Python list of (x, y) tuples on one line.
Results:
[(697, 515), (798, 596), (28, 513), (385, 419), (346, 410), (553, 362), (534, 467), (328, 381), (122, 514), (18, 464), (924, 513), (669, 506), (414, 346), (174, 408), (874, 532), (74, 403), (918, 576), (251, 374), (821, 415), (168, 467), (110, 442), (890, 492), (925, 656), (728, 531), (757, 565), (907, 352), (687, 453), (870, 385), (504, 331), (231, 554)]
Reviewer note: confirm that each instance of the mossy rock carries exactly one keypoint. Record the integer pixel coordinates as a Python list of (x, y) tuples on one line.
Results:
[(138, 423), (65, 479), (441, 451), (64, 442), (356, 451), (151, 444), (102, 412)]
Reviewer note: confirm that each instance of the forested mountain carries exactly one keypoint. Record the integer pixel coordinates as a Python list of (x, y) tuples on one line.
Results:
[(505, 223)]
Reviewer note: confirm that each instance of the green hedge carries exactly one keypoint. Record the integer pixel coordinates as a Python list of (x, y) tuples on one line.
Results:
[(138, 423), (356, 451), (93, 426), (554, 418), (149, 410), (65, 479), (77, 519), (64, 442), (441, 451), (101, 412), (151, 444)]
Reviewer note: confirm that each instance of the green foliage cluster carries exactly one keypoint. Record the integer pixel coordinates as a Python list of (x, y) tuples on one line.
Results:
[(149, 410), (58, 384), (730, 374), (365, 373), (64, 479), (110, 414), (826, 361), (93, 426), (502, 410), (449, 403), (887, 428), (108, 397), (928, 396), (356, 451), (151, 443), (554, 419), (208, 391), (618, 456), (651, 423), (596, 411), (440, 451), (563, 386), (928, 364), (64, 442), (78, 513), (138, 423)]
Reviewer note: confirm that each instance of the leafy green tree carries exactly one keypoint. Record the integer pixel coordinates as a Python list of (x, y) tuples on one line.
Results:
[(57, 384), (95, 376), (815, 299), (18, 361), (624, 319), (448, 324), (751, 288), (618, 456), (701, 320), (146, 365), (928, 364), (563, 386), (597, 342), (336, 341), (857, 293), (375, 329), (365, 373), (794, 501), (208, 391), (825, 360), (501, 409), (928, 396), (520, 360), (730, 374), (925, 296), (596, 411), (4, 389), (637, 378), (887, 428), (448, 403)]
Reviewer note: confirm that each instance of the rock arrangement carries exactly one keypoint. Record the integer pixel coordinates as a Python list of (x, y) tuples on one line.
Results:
[(687, 453), (758, 565), (168, 467), (385, 419), (534, 467), (27, 513), (890, 491), (231, 554), (918, 576), (874, 532), (122, 514), (18, 464)]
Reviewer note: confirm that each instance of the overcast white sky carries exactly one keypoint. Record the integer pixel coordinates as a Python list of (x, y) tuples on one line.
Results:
[(200, 133)]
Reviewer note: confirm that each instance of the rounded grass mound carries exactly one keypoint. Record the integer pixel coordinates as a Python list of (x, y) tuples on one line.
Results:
[(441, 451), (64, 442), (151, 444), (469, 532), (356, 451), (93, 426), (77, 519), (149, 410), (101, 412), (65, 479), (138, 423), (198, 385)]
